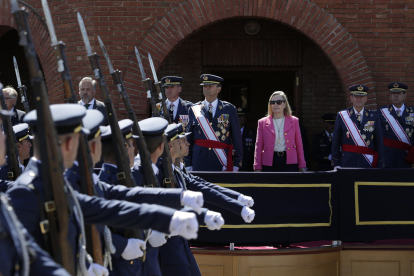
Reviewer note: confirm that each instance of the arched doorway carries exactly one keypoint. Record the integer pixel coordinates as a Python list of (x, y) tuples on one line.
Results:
[(253, 66)]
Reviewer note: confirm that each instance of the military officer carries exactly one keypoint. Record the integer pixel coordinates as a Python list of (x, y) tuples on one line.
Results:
[(215, 131), (248, 140), (397, 122), (322, 143), (358, 132), (21, 132), (177, 107), (27, 195)]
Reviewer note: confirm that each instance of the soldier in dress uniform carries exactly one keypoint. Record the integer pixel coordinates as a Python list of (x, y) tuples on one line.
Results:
[(27, 196), (358, 132), (184, 263), (215, 131), (248, 140), (177, 107), (126, 250), (21, 132), (322, 143), (397, 122)]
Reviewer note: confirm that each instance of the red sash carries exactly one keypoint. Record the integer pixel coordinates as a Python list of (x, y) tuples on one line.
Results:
[(395, 144), (218, 145), (362, 150)]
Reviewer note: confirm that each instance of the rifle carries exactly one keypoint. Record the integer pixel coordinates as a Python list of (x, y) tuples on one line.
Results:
[(148, 86), (160, 91), (12, 151), (149, 178), (93, 241), (22, 88), (169, 182), (124, 171), (55, 226)]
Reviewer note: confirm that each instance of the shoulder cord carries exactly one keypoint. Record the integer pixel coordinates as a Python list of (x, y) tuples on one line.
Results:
[(20, 236)]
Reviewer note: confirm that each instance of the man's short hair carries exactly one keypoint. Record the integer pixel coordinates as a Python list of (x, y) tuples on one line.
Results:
[(219, 84), (88, 79), (108, 151), (153, 143), (12, 92)]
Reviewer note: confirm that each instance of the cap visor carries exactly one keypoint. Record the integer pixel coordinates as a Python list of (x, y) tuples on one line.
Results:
[(184, 135), (135, 136), (7, 113)]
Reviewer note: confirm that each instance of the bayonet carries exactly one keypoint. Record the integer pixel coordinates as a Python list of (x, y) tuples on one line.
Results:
[(84, 35), (155, 75), (108, 60), (141, 68), (22, 88)]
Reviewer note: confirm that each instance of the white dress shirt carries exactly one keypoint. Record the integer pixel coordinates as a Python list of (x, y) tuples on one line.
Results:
[(91, 103), (176, 102), (214, 104)]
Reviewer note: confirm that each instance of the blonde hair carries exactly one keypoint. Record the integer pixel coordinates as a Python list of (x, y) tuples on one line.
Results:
[(287, 111)]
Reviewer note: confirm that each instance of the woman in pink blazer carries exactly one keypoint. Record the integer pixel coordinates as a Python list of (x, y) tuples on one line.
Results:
[(279, 143)]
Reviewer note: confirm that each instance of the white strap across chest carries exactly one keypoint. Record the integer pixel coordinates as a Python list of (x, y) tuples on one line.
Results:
[(396, 127), (355, 134), (209, 133)]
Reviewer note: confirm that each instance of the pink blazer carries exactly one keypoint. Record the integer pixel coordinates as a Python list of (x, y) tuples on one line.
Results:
[(265, 143)]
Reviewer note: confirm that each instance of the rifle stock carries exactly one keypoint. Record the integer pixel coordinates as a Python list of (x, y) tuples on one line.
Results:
[(55, 228), (13, 167), (87, 185), (149, 177)]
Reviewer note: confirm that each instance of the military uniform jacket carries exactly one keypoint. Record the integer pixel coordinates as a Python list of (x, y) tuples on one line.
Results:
[(370, 129), (95, 210), (248, 141), (226, 133), (321, 149), (183, 107), (395, 158), (15, 243)]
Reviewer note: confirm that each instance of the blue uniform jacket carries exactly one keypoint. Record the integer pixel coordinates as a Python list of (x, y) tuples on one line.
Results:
[(395, 158), (227, 134), (11, 250), (5, 185), (321, 149), (373, 137), (249, 142), (95, 210), (183, 107)]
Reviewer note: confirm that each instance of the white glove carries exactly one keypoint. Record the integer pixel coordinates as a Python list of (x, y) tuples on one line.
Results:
[(213, 220), (246, 200), (134, 249), (189, 168), (336, 167), (97, 270), (330, 157), (247, 214), (184, 224), (194, 200), (156, 239)]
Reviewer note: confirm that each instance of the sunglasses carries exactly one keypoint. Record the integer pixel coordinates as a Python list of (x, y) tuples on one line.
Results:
[(279, 102)]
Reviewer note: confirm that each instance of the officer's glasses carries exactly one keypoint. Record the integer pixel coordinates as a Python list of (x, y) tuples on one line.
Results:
[(279, 102)]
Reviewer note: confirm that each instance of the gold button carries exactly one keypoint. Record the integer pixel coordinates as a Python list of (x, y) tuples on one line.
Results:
[(209, 148), (80, 236), (132, 262), (287, 141), (16, 267), (288, 148), (285, 133)]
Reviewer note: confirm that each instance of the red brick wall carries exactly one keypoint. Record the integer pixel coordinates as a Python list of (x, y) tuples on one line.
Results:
[(367, 41)]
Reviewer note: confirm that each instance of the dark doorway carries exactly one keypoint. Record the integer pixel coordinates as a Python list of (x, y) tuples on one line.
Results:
[(252, 89), (9, 47)]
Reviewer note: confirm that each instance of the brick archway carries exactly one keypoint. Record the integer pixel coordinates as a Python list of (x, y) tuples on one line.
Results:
[(302, 15), (40, 35)]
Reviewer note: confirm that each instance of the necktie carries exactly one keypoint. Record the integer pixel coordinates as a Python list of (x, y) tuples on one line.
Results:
[(87, 106), (359, 119), (172, 111), (398, 112), (210, 112)]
